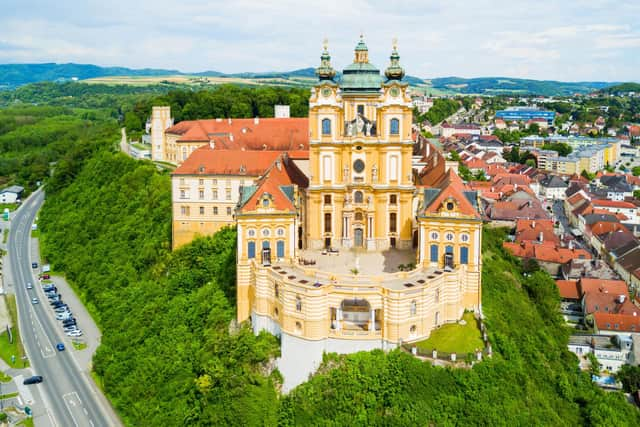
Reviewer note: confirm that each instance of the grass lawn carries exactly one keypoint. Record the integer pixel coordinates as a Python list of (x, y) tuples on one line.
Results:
[(4, 378), (98, 379), (9, 396), (27, 422), (5, 235), (6, 349), (35, 233), (455, 337), (11, 206), (79, 345)]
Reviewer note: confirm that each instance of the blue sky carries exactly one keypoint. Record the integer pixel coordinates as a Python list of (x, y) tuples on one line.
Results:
[(561, 40)]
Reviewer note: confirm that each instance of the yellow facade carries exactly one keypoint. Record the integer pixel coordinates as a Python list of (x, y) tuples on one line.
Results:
[(361, 199)]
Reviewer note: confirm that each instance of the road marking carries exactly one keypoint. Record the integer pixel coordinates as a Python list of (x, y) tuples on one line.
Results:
[(71, 401), (53, 420)]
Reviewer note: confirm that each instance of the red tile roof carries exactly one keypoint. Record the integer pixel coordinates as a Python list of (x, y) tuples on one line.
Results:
[(282, 173), (604, 227), (276, 134), (545, 252), (451, 186), (617, 322), (568, 289), (529, 230), (209, 161), (612, 204)]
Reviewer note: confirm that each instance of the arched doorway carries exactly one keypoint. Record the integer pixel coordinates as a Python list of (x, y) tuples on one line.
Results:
[(415, 239)]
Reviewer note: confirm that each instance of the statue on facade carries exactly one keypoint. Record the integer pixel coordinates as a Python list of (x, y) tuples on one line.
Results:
[(359, 124), (374, 173), (345, 173), (350, 129), (368, 129)]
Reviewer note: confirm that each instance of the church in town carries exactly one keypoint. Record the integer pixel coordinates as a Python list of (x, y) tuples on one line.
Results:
[(353, 233)]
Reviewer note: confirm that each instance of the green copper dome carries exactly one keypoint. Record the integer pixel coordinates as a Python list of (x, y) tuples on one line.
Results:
[(361, 76)]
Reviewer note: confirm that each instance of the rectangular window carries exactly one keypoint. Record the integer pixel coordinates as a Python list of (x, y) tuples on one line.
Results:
[(327, 223), (181, 181), (201, 181), (215, 194), (393, 168), (434, 253), (229, 211), (361, 110), (228, 194), (393, 199), (183, 194), (327, 199), (214, 182), (215, 210), (201, 194), (464, 255), (201, 210), (251, 250), (184, 210), (392, 222)]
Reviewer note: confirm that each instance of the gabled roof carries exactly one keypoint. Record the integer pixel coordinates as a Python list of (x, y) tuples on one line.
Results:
[(606, 203), (450, 187), (12, 189), (553, 181), (250, 134), (277, 185), (530, 230), (545, 252)]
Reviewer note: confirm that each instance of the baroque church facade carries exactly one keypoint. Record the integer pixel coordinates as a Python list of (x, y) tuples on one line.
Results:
[(341, 245)]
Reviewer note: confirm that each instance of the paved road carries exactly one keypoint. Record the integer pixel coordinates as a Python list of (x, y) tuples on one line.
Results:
[(70, 398)]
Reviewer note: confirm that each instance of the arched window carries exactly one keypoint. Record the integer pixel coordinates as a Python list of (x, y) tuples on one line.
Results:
[(251, 250), (358, 197), (434, 253), (414, 308), (280, 248), (265, 244), (464, 255), (326, 127), (394, 127)]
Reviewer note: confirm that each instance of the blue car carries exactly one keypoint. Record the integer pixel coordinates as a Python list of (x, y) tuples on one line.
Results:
[(60, 346)]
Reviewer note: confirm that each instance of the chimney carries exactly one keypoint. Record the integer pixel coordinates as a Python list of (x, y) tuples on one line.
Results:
[(533, 224), (279, 164), (541, 237), (515, 187), (256, 120), (229, 120), (212, 144)]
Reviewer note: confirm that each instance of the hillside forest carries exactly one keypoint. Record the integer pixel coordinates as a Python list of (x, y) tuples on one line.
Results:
[(171, 353)]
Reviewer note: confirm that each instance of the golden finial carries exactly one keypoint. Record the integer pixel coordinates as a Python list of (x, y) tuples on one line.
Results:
[(394, 43), (325, 43)]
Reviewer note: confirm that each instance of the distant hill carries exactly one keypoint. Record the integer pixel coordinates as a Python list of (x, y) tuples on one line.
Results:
[(507, 85), (15, 75), (623, 87)]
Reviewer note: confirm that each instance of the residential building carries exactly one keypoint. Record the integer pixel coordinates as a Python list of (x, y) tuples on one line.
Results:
[(11, 194)]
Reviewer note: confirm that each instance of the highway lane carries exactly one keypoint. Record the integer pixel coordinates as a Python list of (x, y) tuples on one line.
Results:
[(67, 393)]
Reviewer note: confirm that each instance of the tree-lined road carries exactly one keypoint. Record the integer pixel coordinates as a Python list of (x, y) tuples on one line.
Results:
[(70, 399)]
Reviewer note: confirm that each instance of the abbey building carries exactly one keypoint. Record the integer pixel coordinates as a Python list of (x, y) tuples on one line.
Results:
[(353, 233)]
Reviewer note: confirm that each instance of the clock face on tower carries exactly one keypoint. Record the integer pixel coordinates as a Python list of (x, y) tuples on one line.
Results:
[(358, 166), (326, 92), (394, 91)]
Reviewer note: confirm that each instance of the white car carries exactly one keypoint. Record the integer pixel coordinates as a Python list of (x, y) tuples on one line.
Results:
[(34, 301), (76, 333), (29, 285)]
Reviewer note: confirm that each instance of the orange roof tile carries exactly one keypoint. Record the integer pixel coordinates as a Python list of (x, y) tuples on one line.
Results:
[(568, 289), (545, 252), (452, 186), (529, 230), (276, 134), (209, 161), (612, 204), (617, 322)]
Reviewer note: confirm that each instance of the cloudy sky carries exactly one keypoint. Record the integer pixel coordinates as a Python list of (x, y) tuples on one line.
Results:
[(568, 40)]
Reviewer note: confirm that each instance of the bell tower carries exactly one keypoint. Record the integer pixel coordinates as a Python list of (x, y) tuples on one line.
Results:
[(361, 188)]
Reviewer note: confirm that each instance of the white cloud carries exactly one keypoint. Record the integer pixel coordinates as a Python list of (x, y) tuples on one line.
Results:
[(555, 40)]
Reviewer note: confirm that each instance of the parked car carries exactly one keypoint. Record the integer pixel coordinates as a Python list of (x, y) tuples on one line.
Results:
[(36, 379), (63, 316), (34, 265), (46, 276), (34, 300), (68, 322), (60, 346), (76, 333)]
